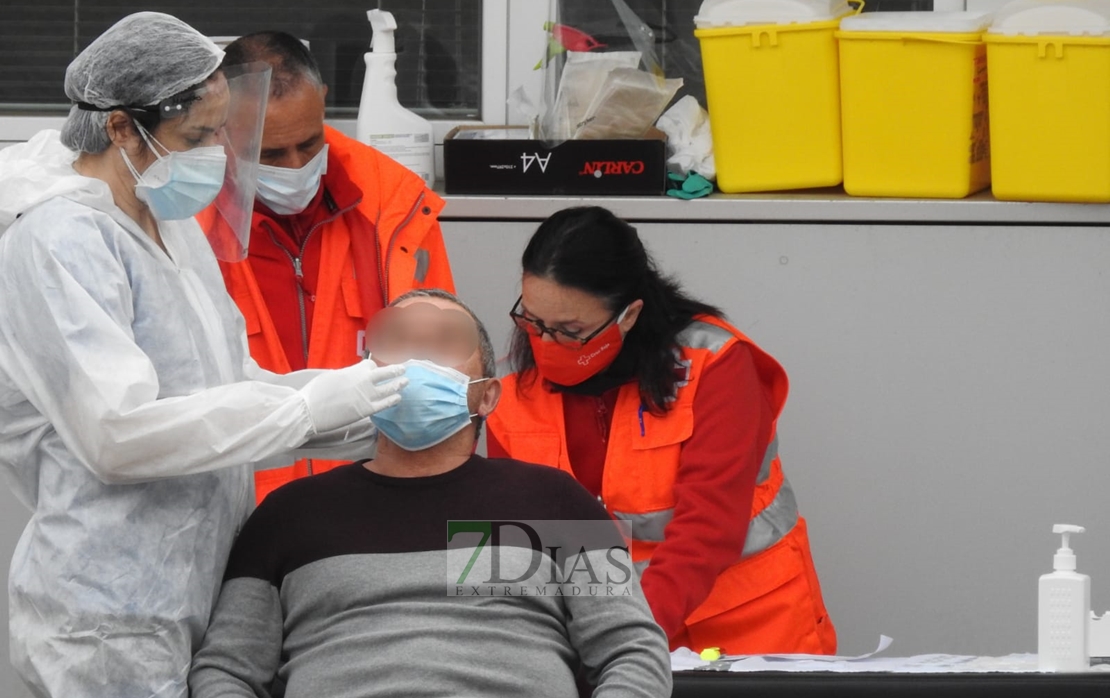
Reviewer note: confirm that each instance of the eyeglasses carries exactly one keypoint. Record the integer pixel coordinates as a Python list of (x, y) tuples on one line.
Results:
[(536, 328)]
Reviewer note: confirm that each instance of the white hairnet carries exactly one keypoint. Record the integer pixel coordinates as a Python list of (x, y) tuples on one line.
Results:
[(141, 60)]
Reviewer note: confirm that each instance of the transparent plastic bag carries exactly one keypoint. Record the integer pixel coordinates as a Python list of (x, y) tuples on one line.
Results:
[(571, 103), (584, 76), (643, 36), (627, 104)]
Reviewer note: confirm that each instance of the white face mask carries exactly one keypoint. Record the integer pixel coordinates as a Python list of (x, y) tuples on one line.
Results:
[(287, 191), (179, 184)]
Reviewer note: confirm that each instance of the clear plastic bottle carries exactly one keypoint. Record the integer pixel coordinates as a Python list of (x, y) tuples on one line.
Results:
[(382, 122), (1063, 611)]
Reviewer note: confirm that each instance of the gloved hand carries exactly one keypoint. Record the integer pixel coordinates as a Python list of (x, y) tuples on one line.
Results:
[(344, 396)]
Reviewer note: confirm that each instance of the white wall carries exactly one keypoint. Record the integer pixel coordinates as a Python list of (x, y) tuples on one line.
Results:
[(949, 403)]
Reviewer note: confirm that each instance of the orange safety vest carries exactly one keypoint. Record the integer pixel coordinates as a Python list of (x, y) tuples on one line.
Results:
[(411, 254), (769, 600)]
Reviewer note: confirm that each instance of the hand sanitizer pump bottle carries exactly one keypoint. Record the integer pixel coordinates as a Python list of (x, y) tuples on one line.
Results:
[(1063, 609), (382, 122)]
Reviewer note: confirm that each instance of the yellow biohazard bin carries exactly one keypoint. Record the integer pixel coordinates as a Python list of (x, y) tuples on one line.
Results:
[(1050, 101), (773, 92), (913, 93)]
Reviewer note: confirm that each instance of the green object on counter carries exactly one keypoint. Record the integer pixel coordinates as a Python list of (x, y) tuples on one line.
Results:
[(691, 186)]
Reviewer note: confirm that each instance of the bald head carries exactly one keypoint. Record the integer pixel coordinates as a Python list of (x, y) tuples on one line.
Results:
[(291, 61), (448, 301)]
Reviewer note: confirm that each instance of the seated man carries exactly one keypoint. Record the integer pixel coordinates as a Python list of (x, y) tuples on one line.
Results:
[(376, 579)]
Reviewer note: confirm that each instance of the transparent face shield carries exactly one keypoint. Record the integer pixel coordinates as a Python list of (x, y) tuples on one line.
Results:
[(227, 223)]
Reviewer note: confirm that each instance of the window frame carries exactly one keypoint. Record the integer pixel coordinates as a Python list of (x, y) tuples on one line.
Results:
[(505, 24)]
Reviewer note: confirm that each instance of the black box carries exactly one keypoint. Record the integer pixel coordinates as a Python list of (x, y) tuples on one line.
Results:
[(524, 166)]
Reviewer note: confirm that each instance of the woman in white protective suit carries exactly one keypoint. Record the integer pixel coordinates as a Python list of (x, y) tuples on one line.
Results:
[(131, 416)]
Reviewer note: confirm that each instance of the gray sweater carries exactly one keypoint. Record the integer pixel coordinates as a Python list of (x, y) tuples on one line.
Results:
[(344, 585)]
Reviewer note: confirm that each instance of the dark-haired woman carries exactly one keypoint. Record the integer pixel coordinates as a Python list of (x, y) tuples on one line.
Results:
[(668, 415)]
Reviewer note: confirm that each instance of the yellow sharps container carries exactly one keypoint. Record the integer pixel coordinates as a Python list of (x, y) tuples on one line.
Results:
[(773, 92), (913, 93), (1049, 66)]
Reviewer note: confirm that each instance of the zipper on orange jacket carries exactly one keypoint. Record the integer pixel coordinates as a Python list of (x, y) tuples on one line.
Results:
[(298, 271), (383, 260)]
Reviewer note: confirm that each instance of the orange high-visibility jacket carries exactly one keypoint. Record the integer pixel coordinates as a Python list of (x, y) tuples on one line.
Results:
[(769, 600), (402, 213)]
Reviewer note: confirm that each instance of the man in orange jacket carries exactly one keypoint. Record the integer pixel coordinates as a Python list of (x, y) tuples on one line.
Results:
[(339, 231)]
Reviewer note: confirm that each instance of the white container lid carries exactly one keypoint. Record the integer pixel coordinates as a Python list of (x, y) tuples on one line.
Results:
[(1068, 17), (926, 22), (737, 13)]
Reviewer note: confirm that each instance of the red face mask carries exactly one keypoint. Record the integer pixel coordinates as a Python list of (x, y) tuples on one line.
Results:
[(571, 365)]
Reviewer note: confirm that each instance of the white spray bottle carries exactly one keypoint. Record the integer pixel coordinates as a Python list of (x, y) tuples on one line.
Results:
[(1063, 611), (382, 122)]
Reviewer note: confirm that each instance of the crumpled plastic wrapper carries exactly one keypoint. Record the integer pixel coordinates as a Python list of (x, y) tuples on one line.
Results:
[(688, 138)]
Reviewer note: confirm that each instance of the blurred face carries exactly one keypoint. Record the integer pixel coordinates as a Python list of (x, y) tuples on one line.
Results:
[(294, 129), (437, 330), (570, 312)]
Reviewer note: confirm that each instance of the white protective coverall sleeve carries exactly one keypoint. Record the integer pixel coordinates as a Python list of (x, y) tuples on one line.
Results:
[(295, 380), (353, 442), (75, 358)]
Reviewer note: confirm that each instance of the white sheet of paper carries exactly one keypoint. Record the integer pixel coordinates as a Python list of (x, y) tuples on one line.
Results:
[(884, 643), (685, 659), (920, 664)]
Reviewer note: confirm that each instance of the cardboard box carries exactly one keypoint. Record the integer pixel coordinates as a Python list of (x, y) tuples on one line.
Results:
[(518, 165)]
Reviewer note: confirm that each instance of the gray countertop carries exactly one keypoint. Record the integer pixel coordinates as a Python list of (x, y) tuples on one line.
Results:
[(831, 205)]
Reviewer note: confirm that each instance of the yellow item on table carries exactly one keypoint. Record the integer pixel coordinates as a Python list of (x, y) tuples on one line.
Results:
[(710, 654)]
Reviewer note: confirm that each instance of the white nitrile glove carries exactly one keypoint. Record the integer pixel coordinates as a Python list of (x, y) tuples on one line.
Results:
[(344, 396)]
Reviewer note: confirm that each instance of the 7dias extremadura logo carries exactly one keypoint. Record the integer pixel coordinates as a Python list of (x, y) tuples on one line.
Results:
[(537, 558)]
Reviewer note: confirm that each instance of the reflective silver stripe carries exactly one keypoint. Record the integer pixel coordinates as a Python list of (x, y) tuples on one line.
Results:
[(702, 335), (773, 523), (769, 527), (768, 457), (423, 262), (647, 527)]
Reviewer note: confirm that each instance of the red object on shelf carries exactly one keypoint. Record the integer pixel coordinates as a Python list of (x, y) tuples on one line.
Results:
[(572, 39)]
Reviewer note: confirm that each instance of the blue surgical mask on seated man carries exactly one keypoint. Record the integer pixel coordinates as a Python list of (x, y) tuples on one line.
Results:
[(433, 406), (179, 184), (287, 191)]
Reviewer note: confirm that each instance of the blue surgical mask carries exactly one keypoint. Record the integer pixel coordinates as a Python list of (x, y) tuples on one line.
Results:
[(179, 184), (287, 191), (433, 407)]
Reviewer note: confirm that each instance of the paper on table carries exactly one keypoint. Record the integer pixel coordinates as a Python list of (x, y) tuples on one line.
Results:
[(920, 664), (929, 663), (686, 659), (884, 642), (801, 662)]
